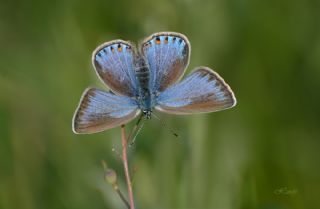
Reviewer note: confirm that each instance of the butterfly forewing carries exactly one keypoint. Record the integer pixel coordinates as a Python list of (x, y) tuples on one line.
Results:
[(168, 55), (99, 110), (201, 91), (114, 63)]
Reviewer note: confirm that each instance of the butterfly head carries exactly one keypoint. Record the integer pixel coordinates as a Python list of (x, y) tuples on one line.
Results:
[(147, 113)]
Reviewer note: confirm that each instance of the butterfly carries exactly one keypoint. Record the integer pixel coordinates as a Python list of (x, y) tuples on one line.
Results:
[(145, 79)]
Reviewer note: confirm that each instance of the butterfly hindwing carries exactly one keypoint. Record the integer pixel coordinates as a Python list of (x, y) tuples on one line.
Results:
[(201, 91), (114, 64), (99, 110), (168, 55)]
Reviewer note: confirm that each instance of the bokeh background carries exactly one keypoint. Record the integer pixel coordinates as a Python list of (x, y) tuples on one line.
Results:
[(264, 153)]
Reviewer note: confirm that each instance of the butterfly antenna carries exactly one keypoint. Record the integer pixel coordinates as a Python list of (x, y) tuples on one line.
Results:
[(165, 125), (135, 128), (136, 134)]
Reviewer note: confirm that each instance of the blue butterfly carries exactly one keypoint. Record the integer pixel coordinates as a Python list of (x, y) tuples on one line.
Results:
[(144, 79)]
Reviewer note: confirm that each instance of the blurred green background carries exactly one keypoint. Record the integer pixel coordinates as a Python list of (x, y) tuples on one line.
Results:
[(264, 153)]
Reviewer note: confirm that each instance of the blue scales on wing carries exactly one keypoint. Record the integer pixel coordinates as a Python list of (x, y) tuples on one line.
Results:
[(201, 91), (99, 110), (168, 55), (114, 63)]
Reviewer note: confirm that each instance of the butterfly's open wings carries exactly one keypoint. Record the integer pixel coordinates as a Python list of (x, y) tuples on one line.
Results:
[(114, 64), (99, 110), (201, 91), (168, 55)]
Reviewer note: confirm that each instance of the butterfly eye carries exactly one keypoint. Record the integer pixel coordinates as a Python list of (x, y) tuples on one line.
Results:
[(158, 40), (166, 40), (119, 48)]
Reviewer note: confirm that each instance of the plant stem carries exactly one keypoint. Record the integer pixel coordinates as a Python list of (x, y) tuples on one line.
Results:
[(122, 198), (125, 165)]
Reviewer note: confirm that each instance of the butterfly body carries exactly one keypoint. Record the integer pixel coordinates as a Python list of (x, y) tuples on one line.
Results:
[(144, 96), (146, 79)]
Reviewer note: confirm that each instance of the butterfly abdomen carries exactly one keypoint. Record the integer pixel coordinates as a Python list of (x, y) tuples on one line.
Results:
[(142, 73)]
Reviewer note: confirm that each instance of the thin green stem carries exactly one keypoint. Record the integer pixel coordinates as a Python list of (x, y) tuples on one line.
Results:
[(124, 200)]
